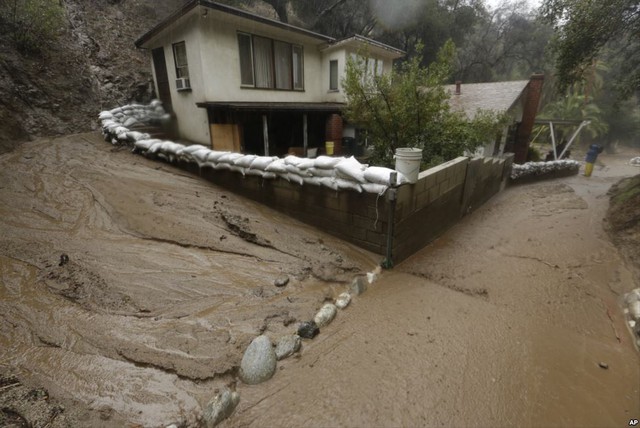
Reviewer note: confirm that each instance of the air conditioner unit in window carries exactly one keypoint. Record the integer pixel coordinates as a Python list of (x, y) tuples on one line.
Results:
[(183, 83)]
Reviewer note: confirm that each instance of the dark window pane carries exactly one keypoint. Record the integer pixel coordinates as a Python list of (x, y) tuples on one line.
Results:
[(246, 59), (333, 75)]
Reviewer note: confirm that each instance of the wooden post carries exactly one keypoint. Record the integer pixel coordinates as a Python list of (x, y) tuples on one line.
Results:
[(265, 134), (305, 139)]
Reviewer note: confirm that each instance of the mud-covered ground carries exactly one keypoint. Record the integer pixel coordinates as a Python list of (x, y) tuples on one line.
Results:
[(168, 279), (512, 318)]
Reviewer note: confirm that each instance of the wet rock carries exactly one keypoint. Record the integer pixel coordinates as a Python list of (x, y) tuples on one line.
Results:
[(308, 330), (220, 408), (358, 286), (372, 277), (259, 361), (281, 281), (634, 311), (343, 300), (603, 365), (287, 346), (325, 315)]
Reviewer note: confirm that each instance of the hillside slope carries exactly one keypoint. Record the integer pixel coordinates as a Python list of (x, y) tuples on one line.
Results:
[(92, 66)]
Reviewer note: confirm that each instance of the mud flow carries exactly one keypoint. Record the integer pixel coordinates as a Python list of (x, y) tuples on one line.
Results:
[(133, 288)]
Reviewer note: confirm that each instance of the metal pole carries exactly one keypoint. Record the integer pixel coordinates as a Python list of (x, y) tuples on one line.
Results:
[(265, 134), (575, 134), (305, 137), (553, 141)]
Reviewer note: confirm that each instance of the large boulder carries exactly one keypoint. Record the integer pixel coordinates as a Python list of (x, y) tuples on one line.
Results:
[(259, 361)]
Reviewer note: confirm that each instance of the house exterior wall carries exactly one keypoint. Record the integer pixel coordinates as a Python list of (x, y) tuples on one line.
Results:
[(193, 123)]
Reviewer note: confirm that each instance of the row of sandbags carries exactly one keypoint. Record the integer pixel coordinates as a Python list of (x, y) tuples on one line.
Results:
[(337, 173), (117, 123), (541, 168)]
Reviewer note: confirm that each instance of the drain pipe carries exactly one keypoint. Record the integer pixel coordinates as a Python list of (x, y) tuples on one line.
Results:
[(387, 263)]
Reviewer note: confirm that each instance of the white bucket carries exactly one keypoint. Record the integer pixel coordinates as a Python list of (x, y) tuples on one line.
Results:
[(408, 162)]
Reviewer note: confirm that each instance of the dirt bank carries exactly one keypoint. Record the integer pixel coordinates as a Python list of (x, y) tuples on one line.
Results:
[(168, 279), (512, 318)]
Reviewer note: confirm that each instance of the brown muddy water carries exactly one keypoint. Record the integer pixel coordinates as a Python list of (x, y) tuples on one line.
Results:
[(503, 321)]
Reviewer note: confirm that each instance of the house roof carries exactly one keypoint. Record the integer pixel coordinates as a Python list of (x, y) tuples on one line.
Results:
[(357, 41), (273, 106), (192, 4), (497, 96)]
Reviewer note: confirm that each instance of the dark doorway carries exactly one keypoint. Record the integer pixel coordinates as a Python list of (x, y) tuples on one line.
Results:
[(162, 78)]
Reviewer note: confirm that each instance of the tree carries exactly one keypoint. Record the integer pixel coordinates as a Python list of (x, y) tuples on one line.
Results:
[(409, 108), (585, 28), (31, 23)]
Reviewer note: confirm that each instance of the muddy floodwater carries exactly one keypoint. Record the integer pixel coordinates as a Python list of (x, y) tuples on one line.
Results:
[(512, 318)]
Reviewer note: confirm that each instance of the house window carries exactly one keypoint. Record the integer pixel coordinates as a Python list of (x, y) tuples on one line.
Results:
[(246, 59), (333, 75), (270, 64), (180, 59)]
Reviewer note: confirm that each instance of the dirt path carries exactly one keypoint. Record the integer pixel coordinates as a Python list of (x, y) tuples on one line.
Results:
[(501, 322)]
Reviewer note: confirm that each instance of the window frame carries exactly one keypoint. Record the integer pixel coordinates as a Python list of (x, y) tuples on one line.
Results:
[(333, 79), (180, 68), (295, 50)]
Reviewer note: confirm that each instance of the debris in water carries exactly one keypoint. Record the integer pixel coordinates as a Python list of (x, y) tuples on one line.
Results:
[(281, 281), (64, 259)]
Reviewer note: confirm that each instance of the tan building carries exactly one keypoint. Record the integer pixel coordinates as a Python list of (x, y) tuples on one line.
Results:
[(238, 81)]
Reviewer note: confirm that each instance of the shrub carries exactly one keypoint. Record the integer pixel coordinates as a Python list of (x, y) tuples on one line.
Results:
[(31, 24)]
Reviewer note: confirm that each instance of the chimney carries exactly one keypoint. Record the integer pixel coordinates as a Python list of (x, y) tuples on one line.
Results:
[(458, 85)]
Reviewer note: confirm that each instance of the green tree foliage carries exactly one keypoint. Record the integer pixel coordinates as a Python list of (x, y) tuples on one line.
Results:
[(508, 43), (31, 24), (584, 28), (409, 108)]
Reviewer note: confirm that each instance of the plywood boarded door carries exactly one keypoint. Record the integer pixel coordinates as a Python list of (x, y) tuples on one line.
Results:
[(226, 137)]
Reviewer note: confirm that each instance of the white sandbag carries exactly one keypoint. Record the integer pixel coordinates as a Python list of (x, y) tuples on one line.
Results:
[(306, 163), (380, 175), (295, 170), (329, 182), (257, 172), (115, 111), (350, 168), (130, 122), (295, 178), (105, 115), (262, 162), (319, 172), (193, 147), (374, 188), (314, 181), (109, 122), (326, 162), (135, 136), (214, 155), (235, 168), (229, 158), (170, 147), (269, 175), (155, 147), (201, 155), (122, 136), (277, 166), (120, 130), (221, 166), (144, 144), (348, 185), (245, 161), (293, 160)]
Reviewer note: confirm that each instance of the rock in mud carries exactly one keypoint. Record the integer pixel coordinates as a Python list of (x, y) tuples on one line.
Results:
[(325, 315), (343, 300), (359, 286), (308, 330), (259, 361), (287, 346), (220, 408), (281, 281)]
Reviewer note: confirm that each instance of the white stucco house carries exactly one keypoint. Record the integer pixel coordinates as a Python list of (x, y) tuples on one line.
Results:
[(237, 81)]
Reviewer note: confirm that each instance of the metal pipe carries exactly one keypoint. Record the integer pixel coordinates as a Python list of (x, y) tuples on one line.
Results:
[(392, 198)]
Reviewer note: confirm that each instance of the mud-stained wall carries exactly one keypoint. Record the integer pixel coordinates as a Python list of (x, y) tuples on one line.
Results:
[(424, 210)]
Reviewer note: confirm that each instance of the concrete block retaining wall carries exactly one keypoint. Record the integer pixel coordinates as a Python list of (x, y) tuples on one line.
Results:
[(424, 210)]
